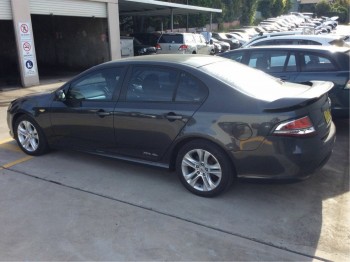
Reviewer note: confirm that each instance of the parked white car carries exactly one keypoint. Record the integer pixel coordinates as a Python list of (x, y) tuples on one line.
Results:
[(183, 43), (330, 40)]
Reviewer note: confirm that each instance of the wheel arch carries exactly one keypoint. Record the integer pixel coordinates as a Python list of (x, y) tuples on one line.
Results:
[(179, 144)]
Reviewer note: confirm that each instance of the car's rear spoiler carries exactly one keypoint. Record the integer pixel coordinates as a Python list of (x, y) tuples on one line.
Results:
[(314, 92)]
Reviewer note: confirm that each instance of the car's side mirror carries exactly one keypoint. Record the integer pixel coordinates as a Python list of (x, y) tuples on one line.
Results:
[(211, 42), (60, 95)]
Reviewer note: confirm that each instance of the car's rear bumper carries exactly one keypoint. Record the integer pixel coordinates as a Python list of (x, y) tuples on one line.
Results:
[(286, 159)]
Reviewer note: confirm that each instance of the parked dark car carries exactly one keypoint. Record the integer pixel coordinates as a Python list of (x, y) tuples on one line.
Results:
[(223, 45), (234, 43), (210, 118), (300, 64), (147, 38), (142, 49)]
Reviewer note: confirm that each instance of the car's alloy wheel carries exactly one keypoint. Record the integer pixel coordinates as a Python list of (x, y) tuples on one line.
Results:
[(29, 136), (204, 169)]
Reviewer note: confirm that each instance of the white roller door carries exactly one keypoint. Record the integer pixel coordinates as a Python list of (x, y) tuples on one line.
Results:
[(84, 8), (5, 10)]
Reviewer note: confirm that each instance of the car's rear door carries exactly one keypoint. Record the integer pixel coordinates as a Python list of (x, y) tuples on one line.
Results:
[(156, 103), (278, 63), (319, 66)]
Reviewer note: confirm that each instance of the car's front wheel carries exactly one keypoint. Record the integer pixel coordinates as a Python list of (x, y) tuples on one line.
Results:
[(204, 169), (29, 136)]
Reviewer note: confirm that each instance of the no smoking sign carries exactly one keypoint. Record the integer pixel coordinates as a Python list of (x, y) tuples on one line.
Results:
[(27, 46)]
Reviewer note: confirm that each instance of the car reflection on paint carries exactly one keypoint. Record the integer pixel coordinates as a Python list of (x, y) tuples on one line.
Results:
[(192, 113)]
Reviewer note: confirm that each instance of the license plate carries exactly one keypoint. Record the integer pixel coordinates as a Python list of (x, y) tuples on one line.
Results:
[(327, 116)]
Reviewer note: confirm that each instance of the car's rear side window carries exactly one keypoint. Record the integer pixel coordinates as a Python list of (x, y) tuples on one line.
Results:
[(152, 84), (317, 62), (190, 89), (163, 84), (273, 61), (171, 39)]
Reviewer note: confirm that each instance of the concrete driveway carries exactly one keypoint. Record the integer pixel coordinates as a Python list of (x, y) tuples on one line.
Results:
[(73, 206)]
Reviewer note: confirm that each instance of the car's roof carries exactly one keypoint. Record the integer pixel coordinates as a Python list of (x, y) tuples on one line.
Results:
[(185, 59), (308, 37), (299, 47)]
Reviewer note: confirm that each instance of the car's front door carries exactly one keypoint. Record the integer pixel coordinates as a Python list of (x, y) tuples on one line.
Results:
[(156, 104), (85, 118)]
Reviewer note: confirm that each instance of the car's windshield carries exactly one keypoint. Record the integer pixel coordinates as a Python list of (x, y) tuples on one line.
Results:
[(249, 81)]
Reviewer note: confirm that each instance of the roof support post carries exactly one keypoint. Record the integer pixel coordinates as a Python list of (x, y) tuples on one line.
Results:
[(211, 21), (172, 19)]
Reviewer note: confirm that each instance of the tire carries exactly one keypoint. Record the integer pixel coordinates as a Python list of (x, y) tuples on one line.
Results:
[(30, 136), (195, 168)]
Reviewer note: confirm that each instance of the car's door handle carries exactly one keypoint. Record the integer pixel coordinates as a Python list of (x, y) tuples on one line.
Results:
[(172, 117), (102, 113)]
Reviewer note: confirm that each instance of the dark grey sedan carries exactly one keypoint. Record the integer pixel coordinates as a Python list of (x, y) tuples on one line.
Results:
[(209, 118)]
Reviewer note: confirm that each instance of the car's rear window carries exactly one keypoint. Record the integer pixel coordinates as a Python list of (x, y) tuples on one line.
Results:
[(251, 82), (171, 39)]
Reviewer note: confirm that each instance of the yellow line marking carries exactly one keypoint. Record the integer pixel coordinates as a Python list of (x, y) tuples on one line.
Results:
[(18, 161), (6, 141)]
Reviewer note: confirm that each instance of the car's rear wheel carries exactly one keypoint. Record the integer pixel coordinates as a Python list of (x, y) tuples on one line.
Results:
[(29, 136), (204, 169)]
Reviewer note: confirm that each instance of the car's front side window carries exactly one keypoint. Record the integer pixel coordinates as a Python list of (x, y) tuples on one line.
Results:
[(99, 85)]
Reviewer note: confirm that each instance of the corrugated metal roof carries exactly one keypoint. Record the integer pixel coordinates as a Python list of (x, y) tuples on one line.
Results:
[(153, 7)]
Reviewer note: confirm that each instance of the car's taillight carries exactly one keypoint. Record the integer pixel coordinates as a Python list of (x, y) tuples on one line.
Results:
[(347, 86), (158, 47), (183, 47), (298, 127)]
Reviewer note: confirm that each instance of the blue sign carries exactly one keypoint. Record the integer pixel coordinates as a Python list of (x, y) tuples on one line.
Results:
[(29, 64)]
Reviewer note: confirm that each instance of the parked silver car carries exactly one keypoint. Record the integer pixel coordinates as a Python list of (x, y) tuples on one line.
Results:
[(183, 43)]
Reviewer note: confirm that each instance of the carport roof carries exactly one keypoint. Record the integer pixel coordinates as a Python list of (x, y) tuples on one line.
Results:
[(155, 8)]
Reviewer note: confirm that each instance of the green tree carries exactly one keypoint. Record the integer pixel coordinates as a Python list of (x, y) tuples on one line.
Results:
[(264, 6), (248, 12), (323, 8)]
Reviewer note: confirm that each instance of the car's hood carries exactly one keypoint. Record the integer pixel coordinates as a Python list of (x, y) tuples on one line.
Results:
[(35, 100), (296, 94), (334, 18)]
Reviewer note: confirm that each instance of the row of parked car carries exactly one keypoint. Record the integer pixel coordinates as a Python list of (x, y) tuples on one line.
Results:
[(294, 48)]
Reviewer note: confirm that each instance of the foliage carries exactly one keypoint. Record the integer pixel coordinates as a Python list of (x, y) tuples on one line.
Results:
[(323, 8), (248, 12), (337, 8), (272, 8)]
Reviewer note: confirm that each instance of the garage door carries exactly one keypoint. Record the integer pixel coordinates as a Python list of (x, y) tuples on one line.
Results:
[(5, 10), (82, 8)]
